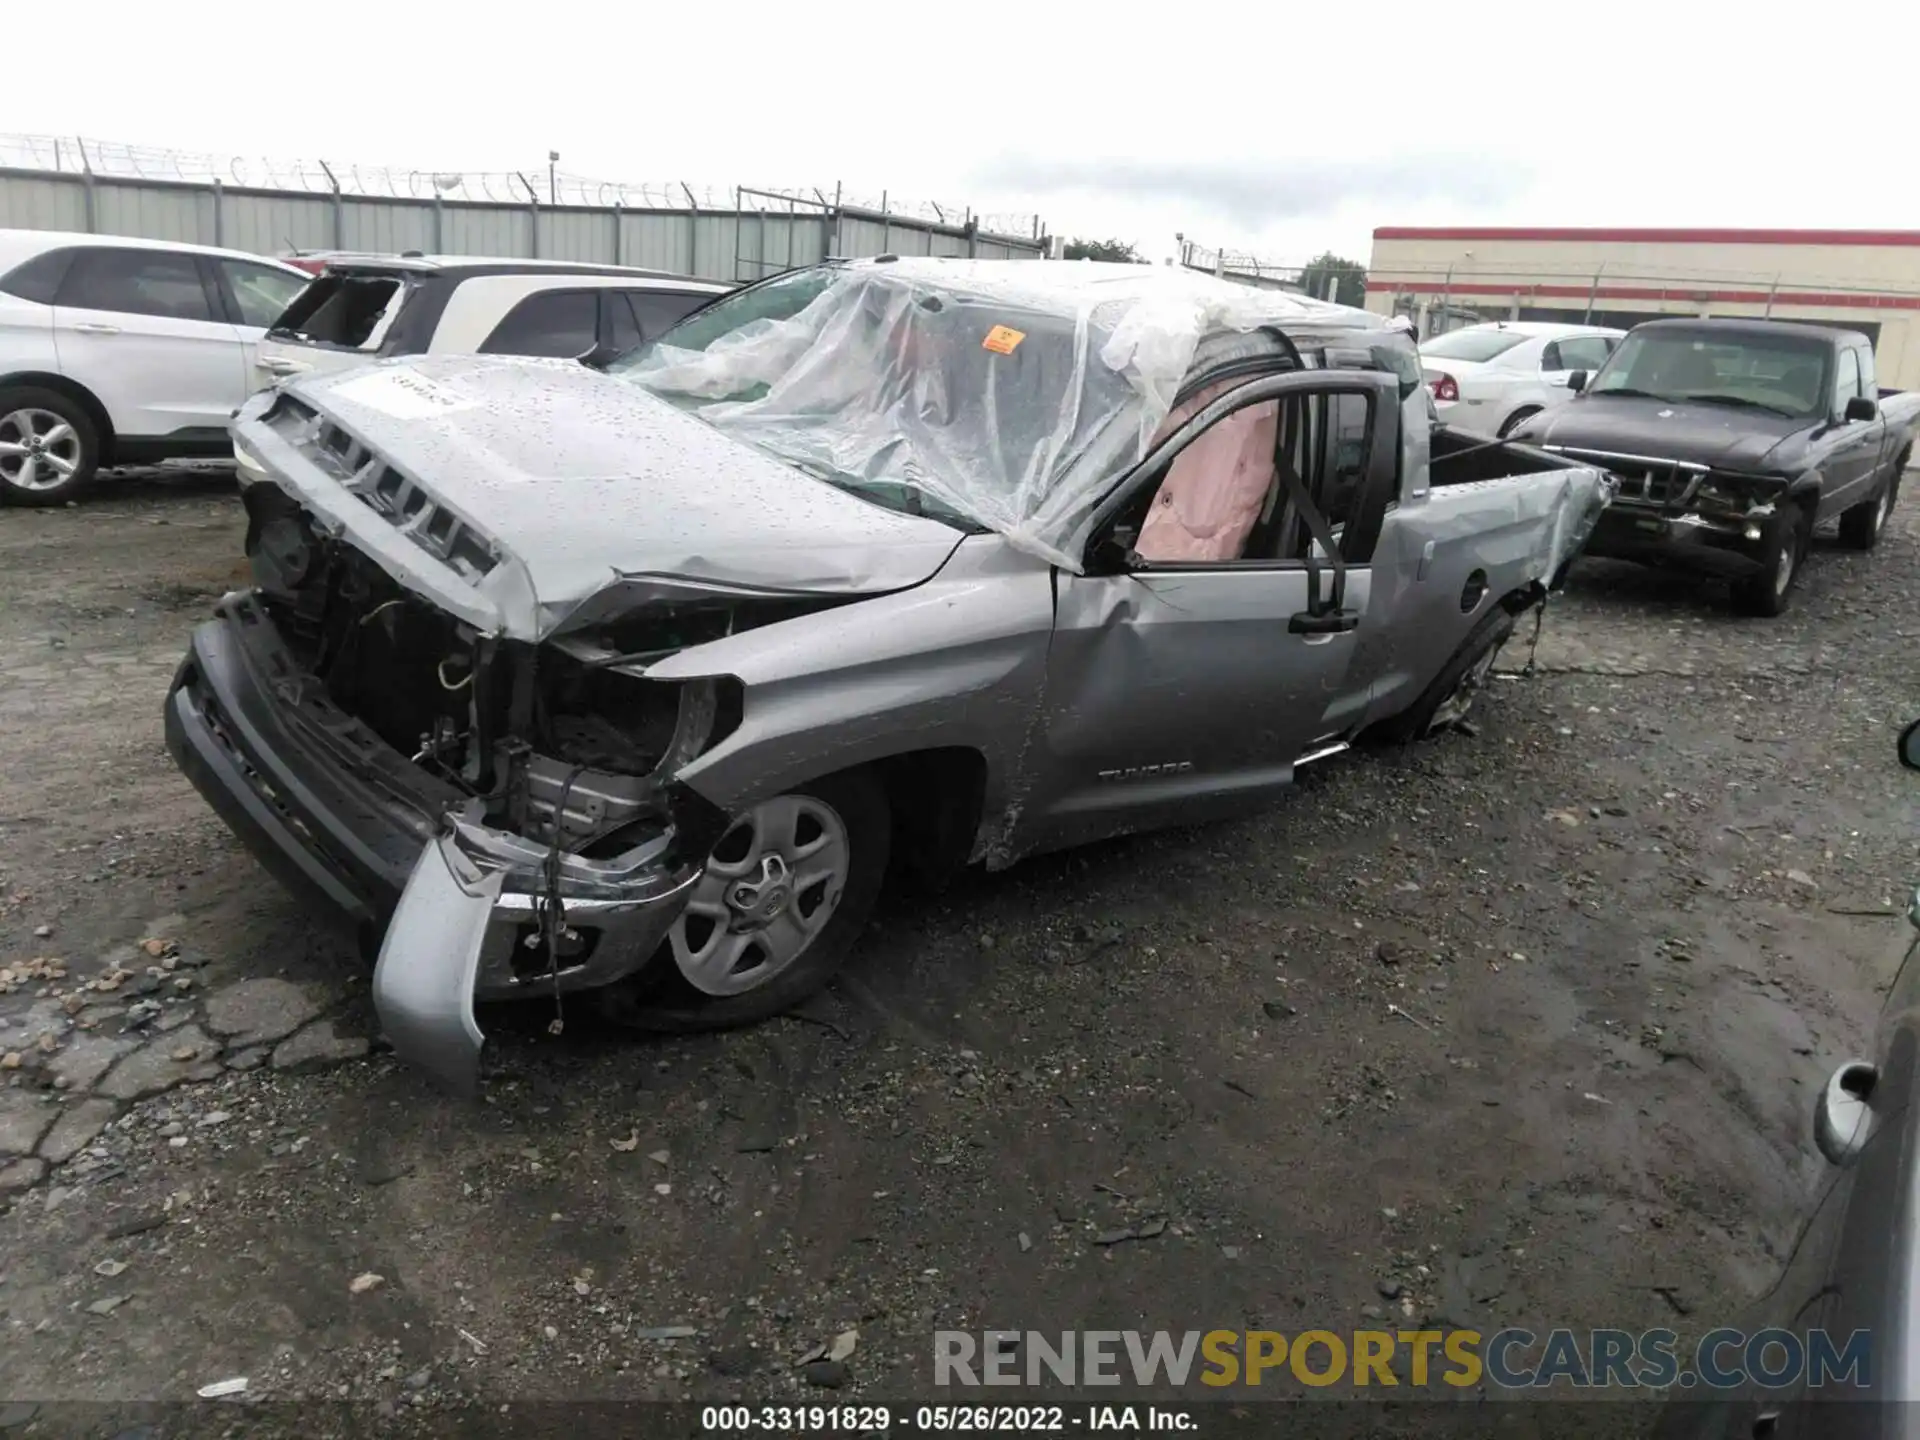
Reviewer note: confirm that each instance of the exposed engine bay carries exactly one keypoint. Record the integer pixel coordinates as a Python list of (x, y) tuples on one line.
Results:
[(564, 729)]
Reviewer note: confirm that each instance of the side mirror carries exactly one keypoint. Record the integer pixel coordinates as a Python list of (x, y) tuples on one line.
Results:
[(1576, 381), (599, 357), (1910, 746), (1860, 407), (1842, 1119)]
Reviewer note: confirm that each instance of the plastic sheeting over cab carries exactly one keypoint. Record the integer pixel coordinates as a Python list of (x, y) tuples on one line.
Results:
[(1011, 395)]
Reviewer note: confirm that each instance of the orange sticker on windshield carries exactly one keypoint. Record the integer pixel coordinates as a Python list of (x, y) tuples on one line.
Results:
[(1003, 339)]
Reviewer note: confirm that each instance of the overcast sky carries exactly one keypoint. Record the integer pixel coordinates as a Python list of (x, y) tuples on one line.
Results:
[(1280, 129)]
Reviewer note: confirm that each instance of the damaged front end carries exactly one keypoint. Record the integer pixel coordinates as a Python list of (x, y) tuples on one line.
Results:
[(1715, 520), (434, 706), (504, 814)]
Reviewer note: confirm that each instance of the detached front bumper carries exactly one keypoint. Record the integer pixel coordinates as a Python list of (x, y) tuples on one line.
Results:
[(1732, 546), (347, 821)]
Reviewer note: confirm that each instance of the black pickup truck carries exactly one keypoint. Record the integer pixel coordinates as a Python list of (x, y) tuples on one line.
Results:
[(1732, 439)]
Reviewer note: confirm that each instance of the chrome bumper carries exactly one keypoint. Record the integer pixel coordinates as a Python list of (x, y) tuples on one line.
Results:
[(458, 934)]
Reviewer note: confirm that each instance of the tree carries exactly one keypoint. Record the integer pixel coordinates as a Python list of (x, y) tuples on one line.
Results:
[(1118, 251), (1349, 276)]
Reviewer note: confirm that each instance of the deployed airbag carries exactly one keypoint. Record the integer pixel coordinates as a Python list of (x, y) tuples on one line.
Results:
[(1206, 507)]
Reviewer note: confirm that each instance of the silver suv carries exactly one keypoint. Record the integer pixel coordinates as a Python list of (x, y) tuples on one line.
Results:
[(643, 681)]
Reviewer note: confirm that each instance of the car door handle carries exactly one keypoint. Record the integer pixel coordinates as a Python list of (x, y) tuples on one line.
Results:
[(94, 327), (1333, 622), (275, 366)]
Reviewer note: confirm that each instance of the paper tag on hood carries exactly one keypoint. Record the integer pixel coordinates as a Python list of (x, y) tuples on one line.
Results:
[(403, 395)]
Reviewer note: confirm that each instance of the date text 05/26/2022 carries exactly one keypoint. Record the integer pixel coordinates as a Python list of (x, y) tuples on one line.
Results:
[(882, 1420)]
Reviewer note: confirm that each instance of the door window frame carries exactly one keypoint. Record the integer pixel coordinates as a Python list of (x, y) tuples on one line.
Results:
[(209, 285), (1837, 399), (230, 298), (633, 295), (614, 303), (1555, 346), (39, 277), (1380, 486), (552, 293)]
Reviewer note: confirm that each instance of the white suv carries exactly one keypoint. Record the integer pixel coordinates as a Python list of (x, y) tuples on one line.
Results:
[(365, 308), (118, 351)]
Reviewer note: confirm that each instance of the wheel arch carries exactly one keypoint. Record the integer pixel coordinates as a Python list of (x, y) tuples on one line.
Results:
[(937, 839), (1523, 599), (936, 801), (76, 392), (1519, 416), (1807, 489)]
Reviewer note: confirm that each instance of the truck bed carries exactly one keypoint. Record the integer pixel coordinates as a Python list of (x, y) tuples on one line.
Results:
[(1461, 458), (1901, 410)]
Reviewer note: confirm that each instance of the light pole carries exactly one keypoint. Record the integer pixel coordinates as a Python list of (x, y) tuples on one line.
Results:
[(553, 177), (1446, 286)]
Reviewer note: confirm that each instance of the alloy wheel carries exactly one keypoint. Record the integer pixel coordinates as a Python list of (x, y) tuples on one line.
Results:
[(769, 889), (38, 449)]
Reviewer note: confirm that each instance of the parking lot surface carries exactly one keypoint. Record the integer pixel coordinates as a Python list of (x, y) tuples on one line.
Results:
[(1519, 1028)]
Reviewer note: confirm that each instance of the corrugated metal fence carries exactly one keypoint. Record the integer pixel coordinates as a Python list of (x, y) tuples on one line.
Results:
[(761, 232)]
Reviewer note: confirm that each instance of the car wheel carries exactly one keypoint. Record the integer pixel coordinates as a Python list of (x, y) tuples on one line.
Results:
[(1769, 591), (49, 448), (1518, 418), (785, 893), (1451, 696), (1860, 526)]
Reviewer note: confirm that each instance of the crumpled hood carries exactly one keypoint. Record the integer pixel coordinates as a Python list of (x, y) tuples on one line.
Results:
[(1717, 435), (575, 481)]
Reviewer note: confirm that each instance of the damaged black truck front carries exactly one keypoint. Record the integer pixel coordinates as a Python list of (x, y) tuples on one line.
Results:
[(502, 814), (1732, 440)]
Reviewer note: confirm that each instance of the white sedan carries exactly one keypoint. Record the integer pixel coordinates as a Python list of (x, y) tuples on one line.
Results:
[(1488, 378)]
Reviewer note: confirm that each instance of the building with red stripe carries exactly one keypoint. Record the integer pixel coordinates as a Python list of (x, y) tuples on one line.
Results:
[(1868, 280)]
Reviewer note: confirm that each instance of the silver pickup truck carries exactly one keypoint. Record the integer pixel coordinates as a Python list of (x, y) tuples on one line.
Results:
[(643, 681)]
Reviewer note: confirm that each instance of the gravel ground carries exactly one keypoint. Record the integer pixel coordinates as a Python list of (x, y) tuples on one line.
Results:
[(1518, 1028)]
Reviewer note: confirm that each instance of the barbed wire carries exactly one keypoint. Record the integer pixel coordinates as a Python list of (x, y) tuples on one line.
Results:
[(1231, 263), (80, 155), (1206, 257)]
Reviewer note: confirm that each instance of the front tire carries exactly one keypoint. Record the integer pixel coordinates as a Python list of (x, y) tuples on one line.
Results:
[(1860, 526), (49, 447), (1769, 592), (786, 893)]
